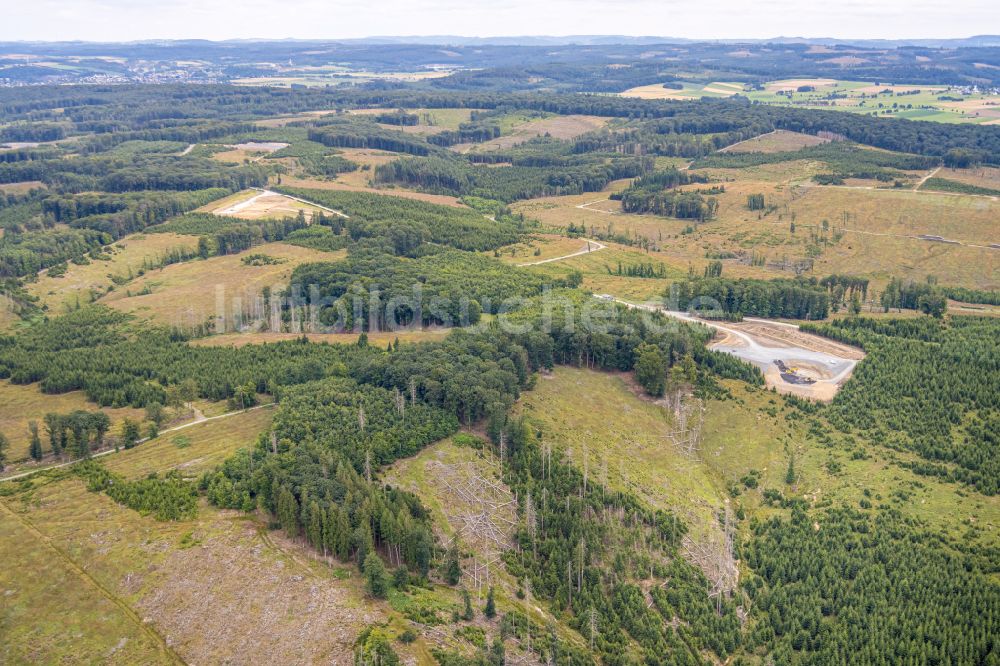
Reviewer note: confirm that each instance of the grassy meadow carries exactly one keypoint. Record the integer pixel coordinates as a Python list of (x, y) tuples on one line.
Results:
[(188, 294), (21, 404), (124, 260), (604, 417)]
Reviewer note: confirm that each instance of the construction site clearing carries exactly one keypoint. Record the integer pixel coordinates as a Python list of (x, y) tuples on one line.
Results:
[(792, 361)]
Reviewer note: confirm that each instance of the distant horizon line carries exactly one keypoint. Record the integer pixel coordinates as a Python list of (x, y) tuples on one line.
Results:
[(525, 40)]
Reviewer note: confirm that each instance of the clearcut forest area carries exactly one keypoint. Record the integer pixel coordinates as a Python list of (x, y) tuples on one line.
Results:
[(526, 358)]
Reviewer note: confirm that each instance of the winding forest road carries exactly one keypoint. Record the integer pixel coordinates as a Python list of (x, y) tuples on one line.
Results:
[(585, 206), (587, 250)]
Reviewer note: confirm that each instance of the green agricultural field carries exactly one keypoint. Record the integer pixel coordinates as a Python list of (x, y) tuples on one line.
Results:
[(913, 102)]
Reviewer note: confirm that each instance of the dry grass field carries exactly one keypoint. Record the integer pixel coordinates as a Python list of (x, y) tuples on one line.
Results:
[(81, 284), (559, 127), (21, 404), (687, 91), (597, 269), (988, 177), (577, 409), (194, 449), (598, 417), (877, 228), (238, 156), (191, 293), (440, 119), (7, 315), (775, 142), (547, 247), (359, 181), (22, 187), (380, 339)]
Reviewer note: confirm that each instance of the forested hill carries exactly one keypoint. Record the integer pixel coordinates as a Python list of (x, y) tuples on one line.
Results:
[(67, 111), (424, 291), (581, 63)]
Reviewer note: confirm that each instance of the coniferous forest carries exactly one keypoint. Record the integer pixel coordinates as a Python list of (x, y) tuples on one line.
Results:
[(421, 305)]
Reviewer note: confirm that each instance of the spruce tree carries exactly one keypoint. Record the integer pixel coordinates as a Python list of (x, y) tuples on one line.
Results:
[(491, 607), (36, 442), (790, 474), (467, 613), (376, 579), (288, 512), (453, 565), (130, 433)]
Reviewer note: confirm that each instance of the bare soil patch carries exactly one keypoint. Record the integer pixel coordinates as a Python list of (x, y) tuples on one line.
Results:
[(792, 336), (260, 584)]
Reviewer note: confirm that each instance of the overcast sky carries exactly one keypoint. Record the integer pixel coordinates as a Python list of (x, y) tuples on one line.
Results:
[(123, 20)]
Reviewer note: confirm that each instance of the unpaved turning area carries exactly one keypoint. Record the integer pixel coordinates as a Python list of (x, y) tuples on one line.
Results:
[(793, 362), (256, 205)]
